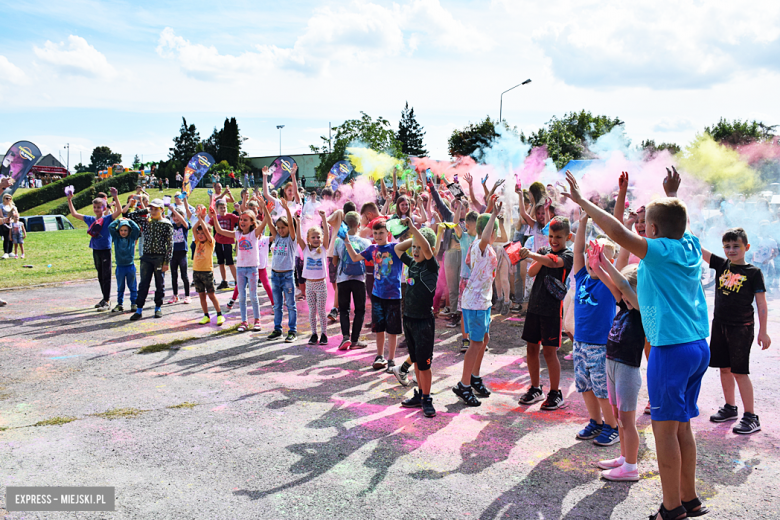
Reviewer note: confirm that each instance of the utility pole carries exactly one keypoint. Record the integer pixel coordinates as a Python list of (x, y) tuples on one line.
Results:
[(329, 137), (279, 127), (501, 108), (67, 145)]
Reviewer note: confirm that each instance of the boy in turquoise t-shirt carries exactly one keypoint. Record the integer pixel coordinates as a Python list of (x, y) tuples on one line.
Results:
[(674, 316)]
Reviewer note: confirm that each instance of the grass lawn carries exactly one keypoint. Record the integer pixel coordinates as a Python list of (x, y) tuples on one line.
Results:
[(68, 252)]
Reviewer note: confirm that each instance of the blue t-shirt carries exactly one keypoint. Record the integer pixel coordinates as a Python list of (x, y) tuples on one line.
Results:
[(465, 244), (594, 309), (180, 233), (102, 242), (388, 270), (669, 291)]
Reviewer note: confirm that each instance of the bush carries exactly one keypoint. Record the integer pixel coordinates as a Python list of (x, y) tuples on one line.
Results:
[(55, 190), (123, 182)]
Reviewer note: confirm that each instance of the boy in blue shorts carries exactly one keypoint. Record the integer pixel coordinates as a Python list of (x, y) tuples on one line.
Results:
[(674, 316), (476, 304), (595, 300), (733, 327)]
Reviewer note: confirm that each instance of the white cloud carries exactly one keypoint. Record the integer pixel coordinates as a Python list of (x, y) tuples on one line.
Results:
[(673, 125), (78, 58), (664, 44), (349, 36), (11, 73)]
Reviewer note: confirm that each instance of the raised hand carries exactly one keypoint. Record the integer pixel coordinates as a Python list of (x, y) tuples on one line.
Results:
[(468, 178), (114, 191), (497, 207), (671, 182), (623, 181), (265, 170), (574, 189)]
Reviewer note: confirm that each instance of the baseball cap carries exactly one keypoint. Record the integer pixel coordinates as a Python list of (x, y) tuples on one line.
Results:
[(156, 203)]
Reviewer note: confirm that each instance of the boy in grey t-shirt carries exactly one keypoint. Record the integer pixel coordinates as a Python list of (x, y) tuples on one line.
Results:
[(351, 281)]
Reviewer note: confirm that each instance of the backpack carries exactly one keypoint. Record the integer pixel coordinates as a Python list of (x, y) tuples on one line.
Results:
[(349, 267), (96, 227)]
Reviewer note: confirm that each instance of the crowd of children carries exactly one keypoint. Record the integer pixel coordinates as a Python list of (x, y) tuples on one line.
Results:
[(633, 278)]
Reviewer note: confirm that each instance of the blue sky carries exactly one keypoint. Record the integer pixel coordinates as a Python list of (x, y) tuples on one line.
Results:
[(123, 74)]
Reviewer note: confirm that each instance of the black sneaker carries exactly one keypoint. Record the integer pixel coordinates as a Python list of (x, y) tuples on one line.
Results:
[(275, 334), (727, 413), (464, 345), (479, 387), (105, 306), (390, 366), (118, 308), (100, 304), (291, 336), (313, 339), (533, 395), (748, 424), (158, 313), (379, 363), (466, 395), (333, 315), (428, 409), (135, 316), (323, 339), (133, 308), (454, 321), (230, 304), (413, 402), (223, 285), (554, 401)]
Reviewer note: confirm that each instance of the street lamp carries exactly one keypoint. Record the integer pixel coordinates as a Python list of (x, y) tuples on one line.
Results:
[(279, 127), (67, 145), (501, 109)]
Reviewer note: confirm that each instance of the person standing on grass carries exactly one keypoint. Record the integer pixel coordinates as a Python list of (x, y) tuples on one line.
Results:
[(124, 234), (100, 243)]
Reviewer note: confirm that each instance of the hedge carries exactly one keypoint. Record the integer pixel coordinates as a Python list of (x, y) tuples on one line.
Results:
[(55, 190), (123, 182)]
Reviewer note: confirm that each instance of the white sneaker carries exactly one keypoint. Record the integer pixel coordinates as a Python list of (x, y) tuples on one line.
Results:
[(5, 256), (12, 255)]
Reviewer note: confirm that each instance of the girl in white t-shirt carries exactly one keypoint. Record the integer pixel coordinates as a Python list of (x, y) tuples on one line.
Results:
[(247, 235), (315, 270)]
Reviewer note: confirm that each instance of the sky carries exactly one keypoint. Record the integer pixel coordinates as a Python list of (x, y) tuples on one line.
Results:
[(123, 74)]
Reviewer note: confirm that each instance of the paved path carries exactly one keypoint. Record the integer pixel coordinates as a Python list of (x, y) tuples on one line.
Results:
[(274, 430)]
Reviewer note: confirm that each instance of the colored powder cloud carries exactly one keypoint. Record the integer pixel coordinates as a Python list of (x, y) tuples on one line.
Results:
[(369, 162)]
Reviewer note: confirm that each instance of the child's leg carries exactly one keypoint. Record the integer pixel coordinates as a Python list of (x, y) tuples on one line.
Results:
[(480, 355), (476, 349), (215, 302), (147, 273), (175, 274), (553, 366), (592, 404), (629, 435), (276, 284), (241, 282), (344, 297), (131, 284), (424, 379), (289, 295), (357, 289), (392, 340), (185, 278), (121, 273), (159, 285), (222, 272), (533, 362), (252, 280), (745, 390), (203, 303), (263, 275), (311, 300), (687, 444), (233, 269), (380, 344), (322, 304)]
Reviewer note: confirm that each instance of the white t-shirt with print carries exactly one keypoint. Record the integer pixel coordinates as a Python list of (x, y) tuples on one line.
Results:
[(315, 265), (478, 294), (246, 249)]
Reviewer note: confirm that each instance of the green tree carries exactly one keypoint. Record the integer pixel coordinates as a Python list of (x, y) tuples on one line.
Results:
[(410, 134), (375, 134), (136, 161), (567, 138), (211, 145), (473, 137), (81, 168), (735, 133), (650, 147), (185, 144), (102, 157)]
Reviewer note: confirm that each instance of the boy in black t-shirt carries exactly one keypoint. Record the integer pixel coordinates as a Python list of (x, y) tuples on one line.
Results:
[(543, 320), (737, 283), (419, 323)]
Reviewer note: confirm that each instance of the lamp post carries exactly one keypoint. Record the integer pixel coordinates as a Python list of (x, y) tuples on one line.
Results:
[(279, 127), (501, 109), (67, 145)]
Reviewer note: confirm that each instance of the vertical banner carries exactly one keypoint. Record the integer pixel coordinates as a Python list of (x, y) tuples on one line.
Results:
[(338, 172), (18, 161), (195, 170), (280, 170)]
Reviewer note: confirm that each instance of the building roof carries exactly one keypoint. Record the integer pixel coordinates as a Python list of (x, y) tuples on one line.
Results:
[(49, 160)]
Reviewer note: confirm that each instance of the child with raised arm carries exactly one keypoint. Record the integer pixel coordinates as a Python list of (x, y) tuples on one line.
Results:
[(419, 323), (551, 265), (624, 357), (246, 235), (476, 303), (124, 233), (674, 315), (315, 269), (733, 328), (386, 294), (158, 250), (224, 244), (594, 310), (283, 256), (100, 243), (203, 267), (466, 240), (351, 280), (181, 230)]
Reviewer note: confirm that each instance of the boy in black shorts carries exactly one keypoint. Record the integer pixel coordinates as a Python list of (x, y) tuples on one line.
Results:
[(545, 311), (419, 323), (733, 326)]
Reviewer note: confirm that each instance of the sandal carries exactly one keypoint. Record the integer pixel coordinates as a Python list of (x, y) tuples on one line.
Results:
[(665, 514), (692, 504), (242, 327)]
